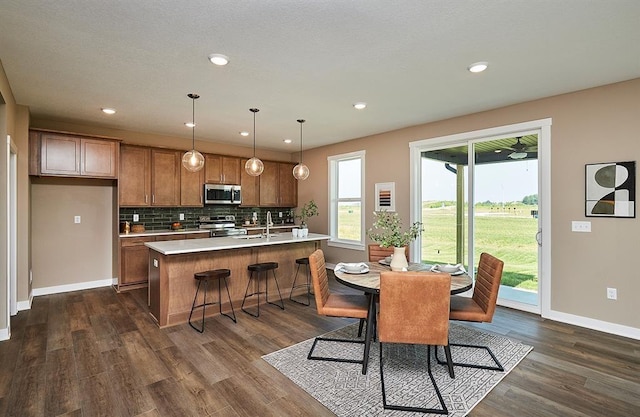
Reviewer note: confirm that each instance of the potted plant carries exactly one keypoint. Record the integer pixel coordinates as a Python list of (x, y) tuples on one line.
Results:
[(387, 231), (310, 209)]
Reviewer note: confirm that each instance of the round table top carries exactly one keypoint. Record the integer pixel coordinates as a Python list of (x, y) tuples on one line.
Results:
[(370, 281)]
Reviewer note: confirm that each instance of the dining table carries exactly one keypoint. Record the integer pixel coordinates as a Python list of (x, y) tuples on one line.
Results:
[(368, 281)]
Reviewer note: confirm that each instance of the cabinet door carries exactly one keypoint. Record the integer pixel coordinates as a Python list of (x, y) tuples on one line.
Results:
[(165, 177), (191, 187), (134, 182), (60, 155), (269, 185), (250, 189), (213, 169), (134, 260), (287, 186), (231, 170), (99, 158)]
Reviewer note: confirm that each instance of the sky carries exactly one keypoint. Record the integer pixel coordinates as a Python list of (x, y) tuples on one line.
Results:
[(498, 183)]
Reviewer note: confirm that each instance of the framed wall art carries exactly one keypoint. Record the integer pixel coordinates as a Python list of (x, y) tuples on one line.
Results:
[(610, 189), (386, 196)]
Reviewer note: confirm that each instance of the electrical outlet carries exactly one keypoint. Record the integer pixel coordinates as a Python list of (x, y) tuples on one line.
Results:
[(155, 263), (136, 218), (280, 214), (181, 216), (612, 293), (76, 219), (581, 226)]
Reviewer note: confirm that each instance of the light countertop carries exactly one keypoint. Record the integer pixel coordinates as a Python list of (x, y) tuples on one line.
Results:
[(176, 247)]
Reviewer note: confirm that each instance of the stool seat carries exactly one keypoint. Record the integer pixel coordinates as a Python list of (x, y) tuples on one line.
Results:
[(263, 266), (302, 261), (206, 277), (258, 268)]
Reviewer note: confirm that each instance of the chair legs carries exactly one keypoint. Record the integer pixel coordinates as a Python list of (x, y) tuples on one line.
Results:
[(443, 408), (307, 285), (204, 303), (498, 366), (338, 340)]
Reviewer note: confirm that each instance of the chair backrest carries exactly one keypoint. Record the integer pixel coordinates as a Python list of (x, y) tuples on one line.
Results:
[(414, 308), (319, 278), (487, 285), (377, 252)]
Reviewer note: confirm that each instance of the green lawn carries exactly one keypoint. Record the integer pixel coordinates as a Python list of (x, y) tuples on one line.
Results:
[(507, 233)]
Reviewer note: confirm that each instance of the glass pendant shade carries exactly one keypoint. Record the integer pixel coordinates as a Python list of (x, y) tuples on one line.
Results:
[(301, 171), (254, 166), (193, 160)]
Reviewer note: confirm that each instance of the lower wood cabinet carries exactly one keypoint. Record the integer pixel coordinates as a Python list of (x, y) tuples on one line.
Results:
[(134, 258)]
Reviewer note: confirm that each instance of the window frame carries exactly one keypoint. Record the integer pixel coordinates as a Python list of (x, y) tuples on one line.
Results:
[(333, 176)]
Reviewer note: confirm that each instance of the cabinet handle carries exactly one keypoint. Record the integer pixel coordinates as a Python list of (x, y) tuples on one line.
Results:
[(146, 198), (153, 198)]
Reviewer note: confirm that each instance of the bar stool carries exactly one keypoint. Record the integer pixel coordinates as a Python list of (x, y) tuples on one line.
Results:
[(299, 262), (206, 277), (258, 268)]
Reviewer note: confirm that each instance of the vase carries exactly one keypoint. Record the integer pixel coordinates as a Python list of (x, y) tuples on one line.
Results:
[(399, 260)]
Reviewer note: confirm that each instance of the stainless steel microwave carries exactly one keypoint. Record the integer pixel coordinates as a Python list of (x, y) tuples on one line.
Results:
[(222, 194)]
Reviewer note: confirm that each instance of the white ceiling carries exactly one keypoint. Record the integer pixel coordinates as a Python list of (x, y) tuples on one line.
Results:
[(305, 59)]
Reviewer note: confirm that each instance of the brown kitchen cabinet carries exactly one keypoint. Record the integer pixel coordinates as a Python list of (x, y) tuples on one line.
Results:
[(71, 155), (250, 189), (220, 169), (191, 187), (278, 187), (134, 184), (134, 257)]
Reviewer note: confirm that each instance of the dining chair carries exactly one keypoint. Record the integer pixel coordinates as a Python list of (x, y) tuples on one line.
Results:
[(481, 306), (377, 252), (335, 305), (414, 309)]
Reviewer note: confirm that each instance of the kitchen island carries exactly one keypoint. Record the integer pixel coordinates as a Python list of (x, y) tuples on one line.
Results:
[(172, 265)]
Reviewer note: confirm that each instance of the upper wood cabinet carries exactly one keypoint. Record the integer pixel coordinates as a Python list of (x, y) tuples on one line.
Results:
[(221, 169), (70, 155), (278, 187), (250, 188), (191, 187), (134, 184), (153, 177)]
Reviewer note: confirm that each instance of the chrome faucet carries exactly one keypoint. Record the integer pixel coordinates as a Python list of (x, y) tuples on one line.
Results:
[(269, 222)]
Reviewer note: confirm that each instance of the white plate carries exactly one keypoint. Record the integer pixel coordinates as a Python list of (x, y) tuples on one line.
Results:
[(460, 271), (383, 262), (363, 271)]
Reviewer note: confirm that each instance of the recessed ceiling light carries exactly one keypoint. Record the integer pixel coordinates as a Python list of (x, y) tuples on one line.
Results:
[(478, 66), (244, 133), (219, 59), (190, 124), (360, 105), (287, 141), (107, 110)]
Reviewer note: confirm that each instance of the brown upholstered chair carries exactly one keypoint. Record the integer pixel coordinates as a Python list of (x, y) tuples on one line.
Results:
[(481, 306), (414, 309), (335, 305), (377, 252)]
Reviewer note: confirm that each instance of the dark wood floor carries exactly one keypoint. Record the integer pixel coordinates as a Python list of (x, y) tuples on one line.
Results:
[(97, 353)]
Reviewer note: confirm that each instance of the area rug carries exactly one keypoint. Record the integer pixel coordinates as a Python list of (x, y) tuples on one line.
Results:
[(343, 389)]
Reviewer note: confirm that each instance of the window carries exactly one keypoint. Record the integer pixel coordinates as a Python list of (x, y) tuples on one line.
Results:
[(346, 200)]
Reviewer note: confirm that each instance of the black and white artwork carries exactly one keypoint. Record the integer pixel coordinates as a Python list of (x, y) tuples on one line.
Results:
[(611, 189)]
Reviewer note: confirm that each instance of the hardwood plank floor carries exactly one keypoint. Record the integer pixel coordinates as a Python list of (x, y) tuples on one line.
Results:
[(96, 352)]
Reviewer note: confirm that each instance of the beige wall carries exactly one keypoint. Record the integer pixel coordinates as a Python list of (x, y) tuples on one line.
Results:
[(65, 252), (595, 125)]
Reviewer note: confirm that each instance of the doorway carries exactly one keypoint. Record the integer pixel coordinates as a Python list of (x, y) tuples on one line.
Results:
[(482, 192)]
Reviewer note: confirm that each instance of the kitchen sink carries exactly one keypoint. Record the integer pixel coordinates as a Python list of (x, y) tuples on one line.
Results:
[(262, 236)]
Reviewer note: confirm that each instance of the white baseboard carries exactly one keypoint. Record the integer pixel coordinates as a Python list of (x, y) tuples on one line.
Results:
[(24, 305), (593, 324), (74, 287), (4, 334)]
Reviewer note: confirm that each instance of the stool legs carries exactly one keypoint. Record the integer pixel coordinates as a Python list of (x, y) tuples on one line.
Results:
[(257, 293), (205, 304), (308, 285)]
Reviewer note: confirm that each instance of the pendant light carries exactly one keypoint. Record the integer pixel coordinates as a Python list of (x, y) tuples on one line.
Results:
[(254, 166), (301, 171), (193, 160)]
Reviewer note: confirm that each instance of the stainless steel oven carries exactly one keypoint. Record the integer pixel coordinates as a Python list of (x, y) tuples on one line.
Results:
[(222, 194)]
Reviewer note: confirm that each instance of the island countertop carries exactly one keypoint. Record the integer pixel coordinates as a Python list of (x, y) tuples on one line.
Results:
[(177, 247)]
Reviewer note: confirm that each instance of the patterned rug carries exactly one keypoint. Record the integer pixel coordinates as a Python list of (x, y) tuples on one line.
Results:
[(343, 389)]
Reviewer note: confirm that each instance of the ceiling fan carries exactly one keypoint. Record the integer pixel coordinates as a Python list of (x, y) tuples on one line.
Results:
[(519, 150)]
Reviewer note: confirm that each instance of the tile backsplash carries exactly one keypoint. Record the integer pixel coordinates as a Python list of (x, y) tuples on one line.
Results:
[(160, 218)]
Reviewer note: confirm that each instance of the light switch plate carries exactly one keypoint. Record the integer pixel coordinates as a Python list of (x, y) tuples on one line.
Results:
[(136, 218), (181, 216), (581, 226), (76, 219)]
